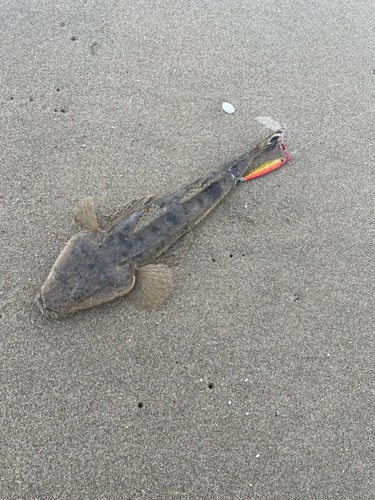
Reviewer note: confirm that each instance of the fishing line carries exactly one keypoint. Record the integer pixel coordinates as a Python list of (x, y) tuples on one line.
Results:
[(331, 130)]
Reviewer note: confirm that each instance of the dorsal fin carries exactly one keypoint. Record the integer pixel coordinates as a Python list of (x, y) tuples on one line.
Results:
[(149, 215), (193, 190), (124, 211)]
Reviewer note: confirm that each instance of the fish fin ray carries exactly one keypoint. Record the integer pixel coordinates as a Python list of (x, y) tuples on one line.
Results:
[(84, 215), (124, 211), (176, 253), (194, 190), (149, 216), (153, 284), (132, 206)]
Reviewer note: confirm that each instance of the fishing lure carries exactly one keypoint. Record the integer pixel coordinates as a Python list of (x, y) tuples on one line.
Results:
[(265, 168), (269, 165)]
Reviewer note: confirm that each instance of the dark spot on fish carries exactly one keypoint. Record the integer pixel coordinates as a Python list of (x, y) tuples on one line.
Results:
[(140, 239), (108, 240), (186, 208), (159, 246), (154, 229), (121, 238), (77, 293), (171, 218), (126, 245), (91, 266), (200, 201), (60, 276), (214, 191)]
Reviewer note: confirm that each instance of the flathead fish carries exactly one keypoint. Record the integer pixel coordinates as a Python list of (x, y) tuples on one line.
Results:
[(97, 266)]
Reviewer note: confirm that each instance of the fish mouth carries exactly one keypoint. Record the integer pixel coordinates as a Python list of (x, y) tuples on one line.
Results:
[(54, 307), (49, 313), (50, 305)]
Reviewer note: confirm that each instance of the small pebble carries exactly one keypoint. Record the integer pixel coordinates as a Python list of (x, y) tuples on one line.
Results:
[(227, 107)]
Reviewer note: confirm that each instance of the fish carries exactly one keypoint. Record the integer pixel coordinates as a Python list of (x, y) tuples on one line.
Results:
[(97, 266)]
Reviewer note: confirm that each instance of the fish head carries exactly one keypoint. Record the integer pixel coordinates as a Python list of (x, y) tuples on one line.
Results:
[(85, 275)]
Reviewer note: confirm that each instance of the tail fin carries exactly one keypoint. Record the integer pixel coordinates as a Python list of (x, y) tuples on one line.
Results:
[(267, 144), (270, 142)]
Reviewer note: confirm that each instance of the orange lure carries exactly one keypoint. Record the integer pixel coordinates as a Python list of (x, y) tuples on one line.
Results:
[(265, 168), (269, 165)]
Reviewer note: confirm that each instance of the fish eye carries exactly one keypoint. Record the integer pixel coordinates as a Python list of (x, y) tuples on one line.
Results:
[(77, 293)]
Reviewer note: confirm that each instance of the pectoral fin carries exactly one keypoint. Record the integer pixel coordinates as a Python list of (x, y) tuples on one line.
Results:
[(84, 215), (152, 286)]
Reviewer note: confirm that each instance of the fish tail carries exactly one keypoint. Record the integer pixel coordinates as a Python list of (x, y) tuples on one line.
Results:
[(270, 142), (267, 144)]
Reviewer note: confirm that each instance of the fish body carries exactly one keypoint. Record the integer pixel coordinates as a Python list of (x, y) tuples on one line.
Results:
[(98, 266)]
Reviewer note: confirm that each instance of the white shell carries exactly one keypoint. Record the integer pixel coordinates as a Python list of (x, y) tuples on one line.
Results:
[(227, 107)]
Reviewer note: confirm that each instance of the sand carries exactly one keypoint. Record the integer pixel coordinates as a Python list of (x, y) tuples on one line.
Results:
[(255, 379)]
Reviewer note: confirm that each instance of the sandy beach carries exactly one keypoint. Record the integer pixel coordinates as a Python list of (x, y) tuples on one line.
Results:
[(255, 378)]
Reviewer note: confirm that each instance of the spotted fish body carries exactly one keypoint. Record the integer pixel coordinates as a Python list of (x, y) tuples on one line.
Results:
[(98, 266)]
